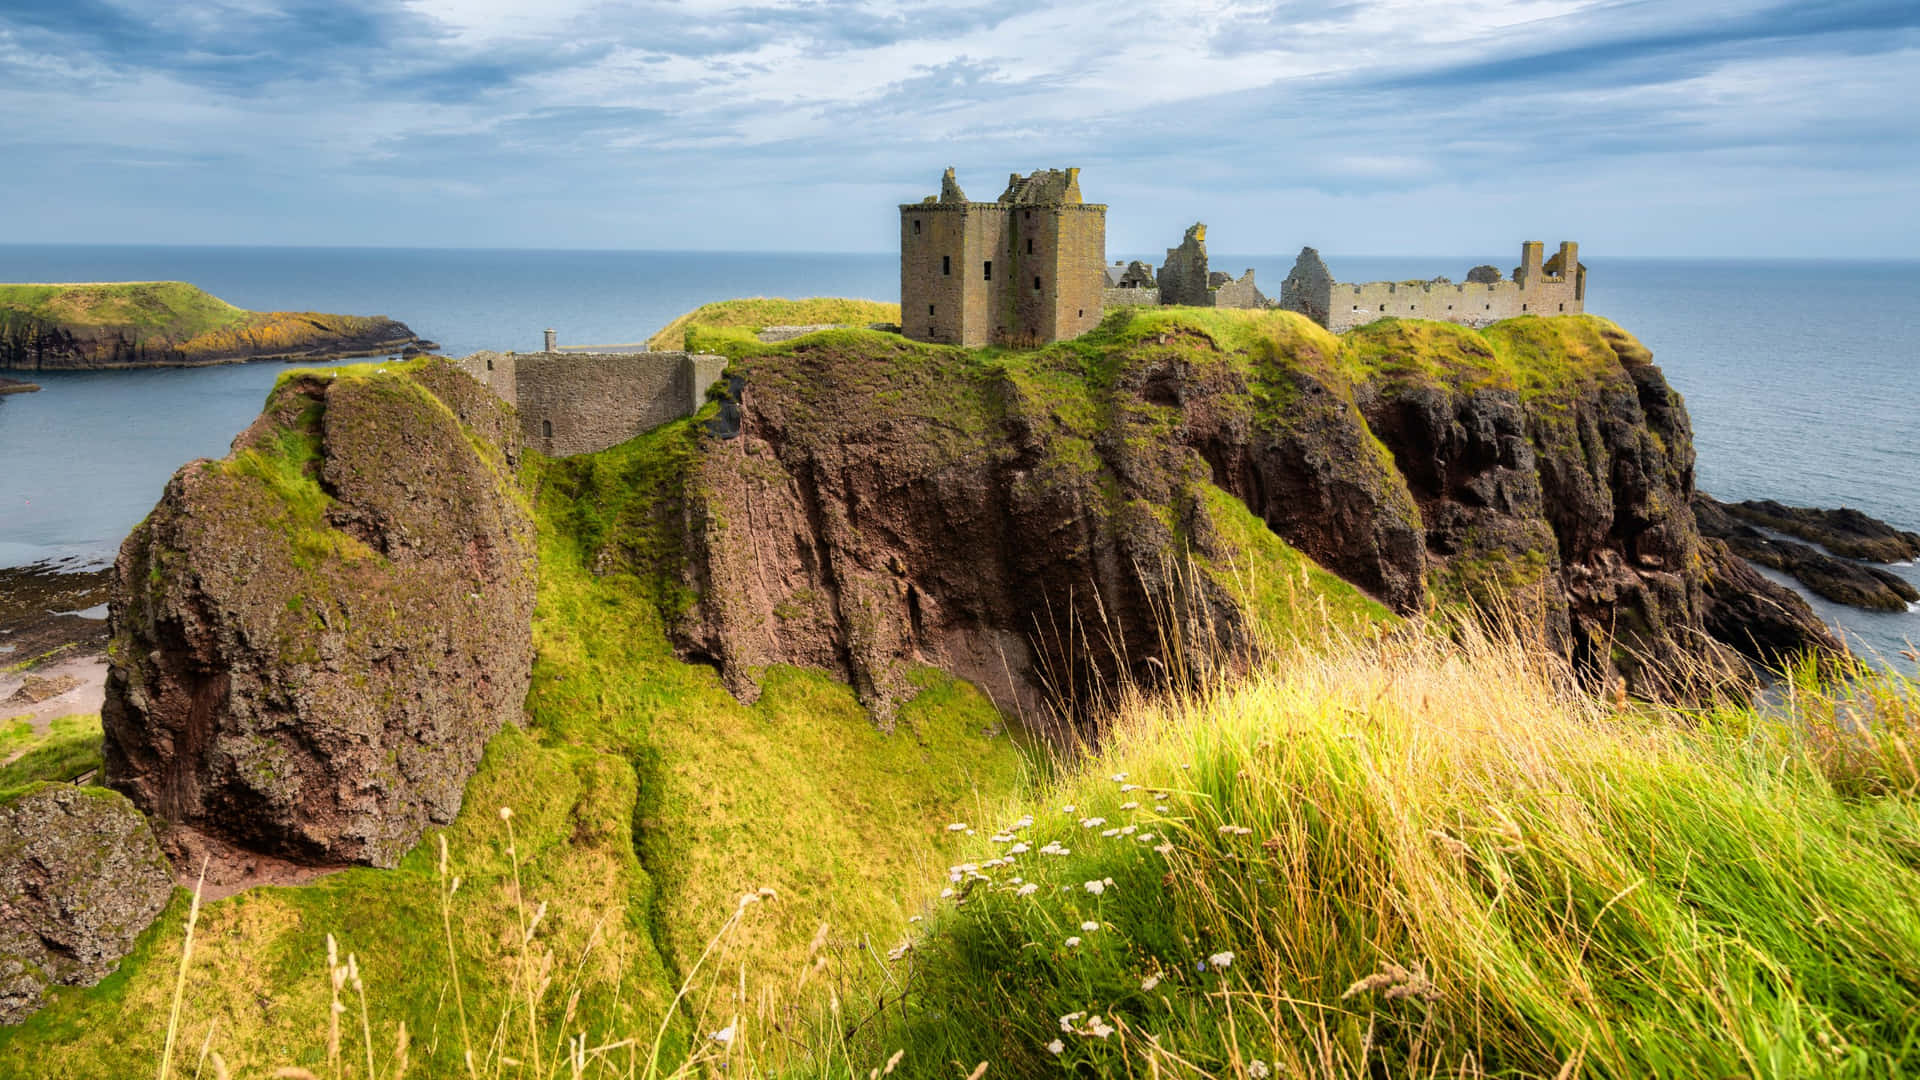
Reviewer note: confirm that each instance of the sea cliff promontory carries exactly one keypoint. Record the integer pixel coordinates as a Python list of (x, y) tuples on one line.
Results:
[(1129, 633), (136, 324)]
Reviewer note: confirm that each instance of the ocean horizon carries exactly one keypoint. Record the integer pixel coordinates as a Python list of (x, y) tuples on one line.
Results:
[(1799, 374)]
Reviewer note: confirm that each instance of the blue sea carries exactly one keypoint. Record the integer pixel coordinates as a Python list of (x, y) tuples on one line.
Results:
[(1802, 377)]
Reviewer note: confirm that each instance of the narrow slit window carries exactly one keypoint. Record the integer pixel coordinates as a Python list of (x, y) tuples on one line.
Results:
[(986, 270), (1029, 245), (929, 309), (1036, 284), (916, 226), (546, 429), (946, 264)]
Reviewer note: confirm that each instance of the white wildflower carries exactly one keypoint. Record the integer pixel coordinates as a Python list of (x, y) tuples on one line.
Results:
[(1109, 832), (1129, 806), (1129, 830), (1000, 838), (1056, 1047), (723, 1036), (1027, 890), (1089, 926), (946, 894), (1067, 809), (1124, 788), (1164, 849), (1073, 943), (1068, 1021), (1092, 822), (1258, 1070), (1118, 777), (1096, 887), (1150, 982), (1221, 960), (1020, 848), (1098, 1027), (958, 826)]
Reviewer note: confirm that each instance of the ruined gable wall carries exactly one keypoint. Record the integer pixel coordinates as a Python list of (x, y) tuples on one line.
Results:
[(1239, 293)]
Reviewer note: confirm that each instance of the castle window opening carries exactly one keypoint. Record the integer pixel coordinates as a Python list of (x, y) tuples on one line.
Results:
[(916, 226), (986, 270), (1029, 245), (1523, 307), (546, 429), (490, 361), (929, 309), (1036, 284), (946, 264), (1563, 307)]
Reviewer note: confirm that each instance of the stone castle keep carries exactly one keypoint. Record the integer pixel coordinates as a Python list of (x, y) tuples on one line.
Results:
[(1031, 267), (1023, 270)]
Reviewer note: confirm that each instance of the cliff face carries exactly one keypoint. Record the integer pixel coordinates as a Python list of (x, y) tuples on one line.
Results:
[(171, 324), (862, 501), (314, 637)]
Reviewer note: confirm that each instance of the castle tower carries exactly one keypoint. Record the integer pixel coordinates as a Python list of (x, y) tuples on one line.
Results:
[(1023, 270)]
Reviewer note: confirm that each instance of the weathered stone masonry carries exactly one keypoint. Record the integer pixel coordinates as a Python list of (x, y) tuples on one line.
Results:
[(1024, 270), (1556, 286), (578, 403)]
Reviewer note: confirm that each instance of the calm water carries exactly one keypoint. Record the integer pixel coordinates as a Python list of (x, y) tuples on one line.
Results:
[(1802, 377)]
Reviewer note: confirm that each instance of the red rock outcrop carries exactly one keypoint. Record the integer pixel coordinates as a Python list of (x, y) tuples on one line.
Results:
[(314, 637)]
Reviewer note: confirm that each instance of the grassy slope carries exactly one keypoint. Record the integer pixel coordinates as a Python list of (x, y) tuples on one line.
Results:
[(172, 313), (758, 313), (1537, 887), (645, 797)]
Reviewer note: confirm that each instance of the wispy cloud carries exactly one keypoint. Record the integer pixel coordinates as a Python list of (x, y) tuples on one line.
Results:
[(1370, 124)]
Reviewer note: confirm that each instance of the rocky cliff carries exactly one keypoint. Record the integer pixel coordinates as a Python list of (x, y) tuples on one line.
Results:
[(314, 637), (862, 502), (171, 324)]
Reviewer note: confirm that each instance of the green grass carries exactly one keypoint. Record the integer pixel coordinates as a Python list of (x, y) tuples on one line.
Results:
[(1426, 860), (171, 307), (70, 747), (757, 313)]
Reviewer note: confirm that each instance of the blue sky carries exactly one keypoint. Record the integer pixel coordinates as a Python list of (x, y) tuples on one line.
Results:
[(1681, 127)]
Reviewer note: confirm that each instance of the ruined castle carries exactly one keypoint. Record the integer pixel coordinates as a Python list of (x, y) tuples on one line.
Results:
[(1031, 267)]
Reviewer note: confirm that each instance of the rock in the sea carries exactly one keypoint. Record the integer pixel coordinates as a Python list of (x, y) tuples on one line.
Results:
[(1845, 532), (80, 877), (1843, 581), (1769, 624), (314, 637)]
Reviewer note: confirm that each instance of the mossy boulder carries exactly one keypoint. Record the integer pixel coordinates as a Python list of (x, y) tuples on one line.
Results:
[(81, 876), (314, 637)]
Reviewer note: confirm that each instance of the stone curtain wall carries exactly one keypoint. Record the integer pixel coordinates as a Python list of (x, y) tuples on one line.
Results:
[(1340, 306), (1113, 298), (577, 403)]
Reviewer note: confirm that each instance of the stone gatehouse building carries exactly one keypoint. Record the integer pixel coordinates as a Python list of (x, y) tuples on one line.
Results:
[(580, 402), (1025, 269)]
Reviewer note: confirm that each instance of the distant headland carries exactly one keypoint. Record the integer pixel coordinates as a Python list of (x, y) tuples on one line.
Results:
[(137, 324)]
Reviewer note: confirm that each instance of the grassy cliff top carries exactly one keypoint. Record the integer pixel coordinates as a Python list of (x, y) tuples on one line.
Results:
[(755, 314), (169, 307)]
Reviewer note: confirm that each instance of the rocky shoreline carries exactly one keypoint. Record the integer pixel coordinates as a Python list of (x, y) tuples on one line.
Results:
[(1839, 568), (38, 620)]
